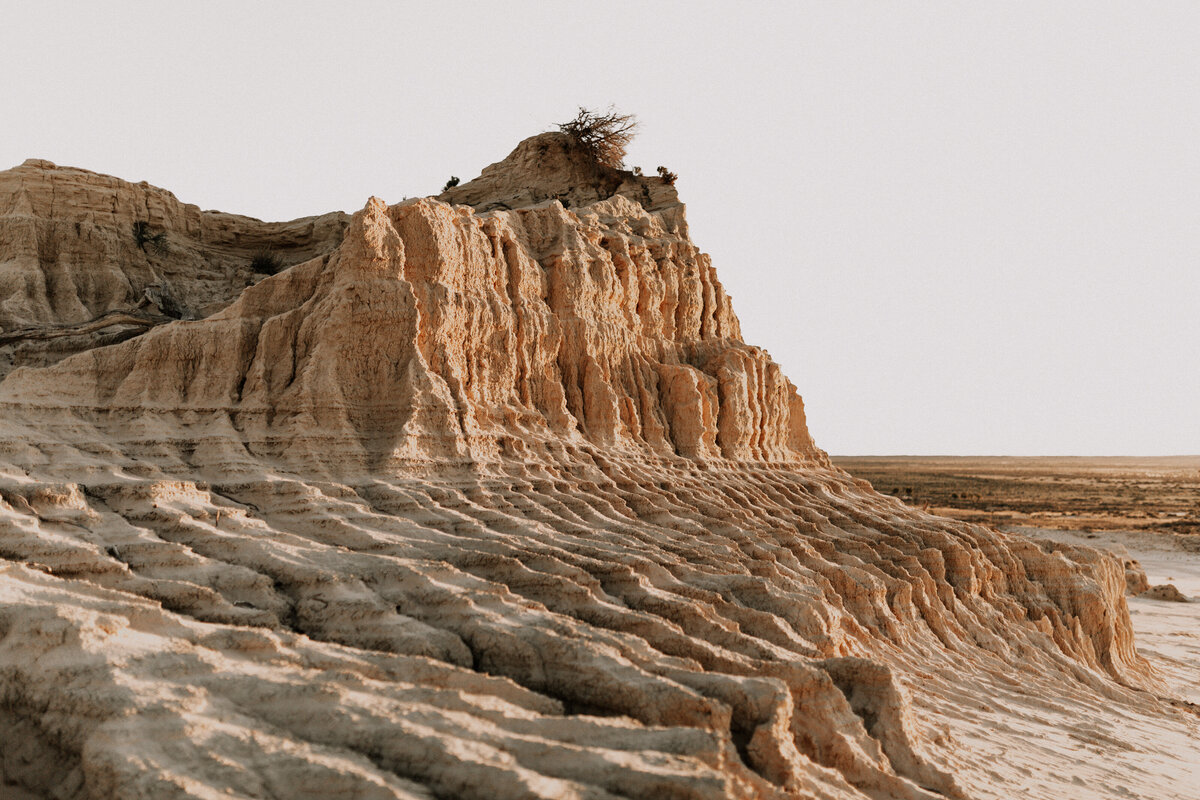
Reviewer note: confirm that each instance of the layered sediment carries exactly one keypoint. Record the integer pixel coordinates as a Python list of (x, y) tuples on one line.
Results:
[(487, 498), (88, 260)]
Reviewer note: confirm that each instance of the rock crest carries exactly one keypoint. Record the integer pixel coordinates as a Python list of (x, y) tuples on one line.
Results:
[(434, 332)]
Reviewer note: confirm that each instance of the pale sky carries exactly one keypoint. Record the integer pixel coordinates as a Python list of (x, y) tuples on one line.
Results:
[(966, 228)]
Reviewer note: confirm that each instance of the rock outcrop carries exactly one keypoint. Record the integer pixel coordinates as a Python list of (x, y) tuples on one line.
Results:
[(551, 167), (496, 504), (88, 260), (1168, 592)]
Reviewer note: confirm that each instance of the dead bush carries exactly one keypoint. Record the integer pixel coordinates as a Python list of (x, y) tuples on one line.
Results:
[(604, 136)]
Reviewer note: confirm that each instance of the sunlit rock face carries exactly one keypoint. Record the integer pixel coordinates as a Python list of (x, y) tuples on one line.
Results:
[(88, 260), (486, 498)]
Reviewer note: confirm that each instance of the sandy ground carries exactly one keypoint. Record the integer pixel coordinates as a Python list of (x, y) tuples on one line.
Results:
[(1024, 743), (1081, 494), (1125, 756), (1168, 633)]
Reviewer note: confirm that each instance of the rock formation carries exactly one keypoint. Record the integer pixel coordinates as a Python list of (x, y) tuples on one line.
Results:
[(485, 497), (74, 275), (1168, 592)]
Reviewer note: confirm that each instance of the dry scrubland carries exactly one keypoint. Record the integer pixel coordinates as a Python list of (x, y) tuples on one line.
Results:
[(1084, 494), (483, 496)]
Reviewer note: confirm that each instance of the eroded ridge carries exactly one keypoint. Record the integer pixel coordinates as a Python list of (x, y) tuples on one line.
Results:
[(437, 333), (87, 260), (497, 504)]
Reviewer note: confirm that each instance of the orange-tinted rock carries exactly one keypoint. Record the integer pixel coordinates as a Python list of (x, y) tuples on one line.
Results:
[(497, 504)]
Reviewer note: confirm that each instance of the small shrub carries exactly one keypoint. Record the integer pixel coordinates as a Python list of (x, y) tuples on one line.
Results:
[(267, 261), (637, 171), (668, 177), (157, 242), (167, 302), (450, 184), (603, 136)]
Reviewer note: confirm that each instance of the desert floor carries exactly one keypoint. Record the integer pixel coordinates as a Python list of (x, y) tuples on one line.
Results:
[(1083, 494), (1146, 509)]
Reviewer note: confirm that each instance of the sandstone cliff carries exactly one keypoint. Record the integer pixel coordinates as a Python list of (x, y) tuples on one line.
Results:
[(73, 274), (491, 500)]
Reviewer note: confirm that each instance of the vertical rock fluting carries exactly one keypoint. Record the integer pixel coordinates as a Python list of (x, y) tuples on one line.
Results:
[(534, 325), (493, 502)]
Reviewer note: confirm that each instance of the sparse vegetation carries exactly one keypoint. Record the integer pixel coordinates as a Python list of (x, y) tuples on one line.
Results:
[(267, 261), (604, 136), (450, 184), (163, 296), (1100, 493), (146, 238), (668, 177)]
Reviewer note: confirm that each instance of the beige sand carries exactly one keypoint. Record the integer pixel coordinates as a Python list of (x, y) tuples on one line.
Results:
[(1102, 749)]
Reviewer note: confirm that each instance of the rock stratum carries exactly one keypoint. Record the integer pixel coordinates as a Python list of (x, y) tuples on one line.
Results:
[(484, 497)]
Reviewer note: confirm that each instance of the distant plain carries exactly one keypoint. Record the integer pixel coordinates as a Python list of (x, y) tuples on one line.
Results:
[(1142, 510), (1067, 493)]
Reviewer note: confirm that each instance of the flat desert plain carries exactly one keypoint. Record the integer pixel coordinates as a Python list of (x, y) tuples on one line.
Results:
[(1160, 494), (1146, 510)]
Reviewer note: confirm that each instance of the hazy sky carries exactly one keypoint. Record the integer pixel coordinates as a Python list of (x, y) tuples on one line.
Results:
[(960, 227)]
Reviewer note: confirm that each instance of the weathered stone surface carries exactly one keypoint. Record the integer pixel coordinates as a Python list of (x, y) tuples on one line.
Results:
[(497, 504), (434, 332), (1168, 592), (73, 275), (1136, 581), (550, 167)]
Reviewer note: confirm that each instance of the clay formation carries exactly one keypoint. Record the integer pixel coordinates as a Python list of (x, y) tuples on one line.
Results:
[(484, 497)]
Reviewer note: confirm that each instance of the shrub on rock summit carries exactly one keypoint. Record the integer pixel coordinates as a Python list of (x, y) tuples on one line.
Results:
[(604, 136)]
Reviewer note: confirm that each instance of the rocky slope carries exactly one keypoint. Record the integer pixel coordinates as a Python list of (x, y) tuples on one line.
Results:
[(88, 260), (490, 500)]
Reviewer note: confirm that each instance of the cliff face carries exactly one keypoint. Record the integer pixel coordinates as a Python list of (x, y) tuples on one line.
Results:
[(74, 276), (495, 503), (438, 333)]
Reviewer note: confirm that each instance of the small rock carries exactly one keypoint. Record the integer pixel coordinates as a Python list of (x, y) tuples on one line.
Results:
[(1166, 591), (1136, 582)]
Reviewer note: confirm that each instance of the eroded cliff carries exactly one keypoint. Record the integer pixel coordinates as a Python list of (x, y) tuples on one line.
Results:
[(492, 501), (88, 260)]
